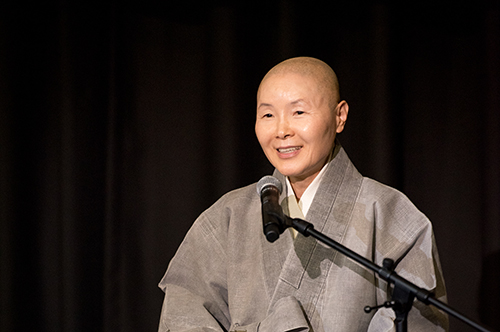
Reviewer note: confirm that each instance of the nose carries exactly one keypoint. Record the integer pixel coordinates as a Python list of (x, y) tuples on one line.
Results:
[(284, 130)]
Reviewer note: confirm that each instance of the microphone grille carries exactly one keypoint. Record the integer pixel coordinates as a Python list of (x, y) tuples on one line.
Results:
[(268, 180)]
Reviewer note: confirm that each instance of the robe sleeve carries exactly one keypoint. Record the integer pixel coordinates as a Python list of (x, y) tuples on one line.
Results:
[(421, 266), (196, 293), (196, 296)]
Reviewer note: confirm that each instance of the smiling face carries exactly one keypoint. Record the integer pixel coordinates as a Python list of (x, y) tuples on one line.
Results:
[(296, 123)]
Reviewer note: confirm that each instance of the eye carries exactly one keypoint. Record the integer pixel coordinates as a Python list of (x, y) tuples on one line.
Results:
[(267, 115), (299, 112)]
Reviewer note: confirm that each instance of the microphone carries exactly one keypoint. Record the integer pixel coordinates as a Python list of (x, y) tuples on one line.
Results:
[(269, 189)]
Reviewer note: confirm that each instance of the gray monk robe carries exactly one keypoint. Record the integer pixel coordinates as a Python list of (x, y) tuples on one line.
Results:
[(225, 276)]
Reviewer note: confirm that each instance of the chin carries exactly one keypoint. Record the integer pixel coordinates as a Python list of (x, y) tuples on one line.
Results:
[(288, 172)]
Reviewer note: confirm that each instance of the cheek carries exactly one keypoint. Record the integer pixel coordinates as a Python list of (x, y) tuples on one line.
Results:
[(329, 128), (321, 139), (262, 137), (316, 133)]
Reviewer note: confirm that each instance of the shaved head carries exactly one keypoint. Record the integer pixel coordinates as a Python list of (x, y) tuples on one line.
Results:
[(322, 73)]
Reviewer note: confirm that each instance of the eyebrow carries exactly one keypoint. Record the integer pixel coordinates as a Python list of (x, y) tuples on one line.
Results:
[(293, 103), (264, 105), (298, 101)]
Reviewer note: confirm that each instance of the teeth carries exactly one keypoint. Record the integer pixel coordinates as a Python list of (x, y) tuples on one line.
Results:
[(288, 150)]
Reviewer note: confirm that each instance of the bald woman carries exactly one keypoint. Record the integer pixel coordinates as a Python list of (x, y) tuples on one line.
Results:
[(226, 276)]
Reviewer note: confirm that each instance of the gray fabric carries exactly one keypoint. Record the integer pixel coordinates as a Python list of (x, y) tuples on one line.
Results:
[(227, 277)]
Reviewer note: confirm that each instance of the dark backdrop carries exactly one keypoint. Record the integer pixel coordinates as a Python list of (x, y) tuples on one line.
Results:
[(121, 121)]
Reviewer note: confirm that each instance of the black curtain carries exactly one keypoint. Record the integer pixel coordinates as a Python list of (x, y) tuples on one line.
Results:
[(120, 122)]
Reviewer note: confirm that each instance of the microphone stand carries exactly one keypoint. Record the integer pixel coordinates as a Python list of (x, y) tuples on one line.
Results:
[(404, 291)]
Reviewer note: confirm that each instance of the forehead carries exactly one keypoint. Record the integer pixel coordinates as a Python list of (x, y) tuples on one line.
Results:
[(288, 84)]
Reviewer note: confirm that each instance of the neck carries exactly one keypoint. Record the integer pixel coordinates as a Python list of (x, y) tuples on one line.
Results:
[(299, 186)]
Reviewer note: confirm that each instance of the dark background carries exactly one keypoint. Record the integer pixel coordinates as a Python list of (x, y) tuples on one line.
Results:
[(121, 121)]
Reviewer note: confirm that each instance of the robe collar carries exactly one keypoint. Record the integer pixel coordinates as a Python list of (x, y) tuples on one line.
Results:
[(303, 270)]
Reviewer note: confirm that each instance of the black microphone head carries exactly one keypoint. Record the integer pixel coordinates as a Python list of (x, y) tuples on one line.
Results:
[(268, 180)]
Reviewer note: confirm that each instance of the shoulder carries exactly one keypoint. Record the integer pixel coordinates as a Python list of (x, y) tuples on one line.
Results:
[(392, 209), (374, 190), (235, 199), (397, 225), (231, 209)]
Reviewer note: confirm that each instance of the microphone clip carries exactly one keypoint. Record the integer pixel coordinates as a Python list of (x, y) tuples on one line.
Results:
[(386, 304)]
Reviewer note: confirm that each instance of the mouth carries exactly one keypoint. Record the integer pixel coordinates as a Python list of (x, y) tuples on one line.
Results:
[(289, 149)]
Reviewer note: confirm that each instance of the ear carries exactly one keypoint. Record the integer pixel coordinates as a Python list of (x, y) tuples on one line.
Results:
[(341, 112)]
